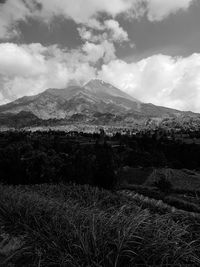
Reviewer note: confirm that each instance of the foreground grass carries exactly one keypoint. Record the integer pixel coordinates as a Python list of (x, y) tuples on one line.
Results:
[(83, 226), (174, 198)]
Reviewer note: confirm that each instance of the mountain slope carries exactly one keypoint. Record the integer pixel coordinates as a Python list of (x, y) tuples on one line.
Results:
[(61, 103), (96, 102), (19, 120)]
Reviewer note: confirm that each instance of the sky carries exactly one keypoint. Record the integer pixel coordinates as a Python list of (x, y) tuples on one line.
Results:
[(148, 48)]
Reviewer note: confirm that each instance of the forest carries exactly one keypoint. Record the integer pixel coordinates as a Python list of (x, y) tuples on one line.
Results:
[(83, 158)]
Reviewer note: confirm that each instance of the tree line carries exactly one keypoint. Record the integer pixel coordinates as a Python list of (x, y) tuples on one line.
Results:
[(52, 156)]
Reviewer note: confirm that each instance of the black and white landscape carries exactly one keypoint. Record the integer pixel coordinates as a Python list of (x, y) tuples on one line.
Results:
[(95, 103), (99, 133)]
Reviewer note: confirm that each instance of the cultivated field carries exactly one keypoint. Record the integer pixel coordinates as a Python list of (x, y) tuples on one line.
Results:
[(70, 225)]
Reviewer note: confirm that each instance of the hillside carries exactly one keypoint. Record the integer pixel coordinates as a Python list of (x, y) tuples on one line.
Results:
[(96, 102), (64, 225), (179, 178)]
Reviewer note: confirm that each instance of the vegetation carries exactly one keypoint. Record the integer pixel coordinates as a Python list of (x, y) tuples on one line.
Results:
[(54, 203), (163, 184), (68, 225), (43, 157)]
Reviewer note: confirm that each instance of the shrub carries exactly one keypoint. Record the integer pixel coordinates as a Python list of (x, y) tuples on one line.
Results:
[(163, 184)]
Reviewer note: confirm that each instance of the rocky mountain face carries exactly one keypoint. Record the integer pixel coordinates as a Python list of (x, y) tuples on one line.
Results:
[(96, 102)]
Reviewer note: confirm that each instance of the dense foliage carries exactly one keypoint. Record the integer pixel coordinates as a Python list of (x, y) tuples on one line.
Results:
[(38, 157)]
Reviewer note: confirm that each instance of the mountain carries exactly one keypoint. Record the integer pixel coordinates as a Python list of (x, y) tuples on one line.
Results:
[(19, 120), (95, 96), (97, 102)]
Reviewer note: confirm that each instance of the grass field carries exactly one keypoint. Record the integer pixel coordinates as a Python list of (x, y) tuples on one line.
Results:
[(185, 185), (71, 225), (181, 179)]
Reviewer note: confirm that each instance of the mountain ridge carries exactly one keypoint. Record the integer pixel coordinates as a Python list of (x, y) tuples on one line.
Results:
[(94, 102)]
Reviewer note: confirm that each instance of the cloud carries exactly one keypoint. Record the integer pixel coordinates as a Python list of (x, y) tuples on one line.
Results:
[(11, 12), (85, 12), (159, 79), (117, 33), (30, 69), (110, 31), (24, 61), (158, 9), (95, 52), (82, 12)]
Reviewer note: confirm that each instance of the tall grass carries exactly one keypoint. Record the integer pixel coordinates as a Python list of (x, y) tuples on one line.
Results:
[(84, 226), (171, 199)]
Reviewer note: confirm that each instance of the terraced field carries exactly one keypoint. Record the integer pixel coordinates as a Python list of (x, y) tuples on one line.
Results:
[(181, 179), (71, 225), (159, 206)]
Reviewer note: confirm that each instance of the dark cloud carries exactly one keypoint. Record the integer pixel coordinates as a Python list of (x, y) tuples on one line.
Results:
[(59, 31), (37, 5), (2, 1), (177, 35), (32, 5)]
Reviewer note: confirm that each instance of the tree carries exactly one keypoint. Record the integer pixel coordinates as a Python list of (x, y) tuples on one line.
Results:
[(104, 175), (163, 184)]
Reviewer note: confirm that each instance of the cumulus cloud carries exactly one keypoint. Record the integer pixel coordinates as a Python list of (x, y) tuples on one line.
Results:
[(85, 12), (82, 11), (110, 30), (95, 52), (10, 13), (30, 69), (88, 34), (15, 60), (117, 33), (158, 9), (159, 79)]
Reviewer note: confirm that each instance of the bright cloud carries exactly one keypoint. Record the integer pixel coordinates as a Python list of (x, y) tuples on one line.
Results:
[(159, 79), (110, 30), (117, 33), (159, 9), (95, 52), (82, 11), (15, 60), (30, 69)]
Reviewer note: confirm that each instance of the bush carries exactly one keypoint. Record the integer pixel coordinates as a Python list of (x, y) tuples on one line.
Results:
[(163, 184), (104, 175)]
